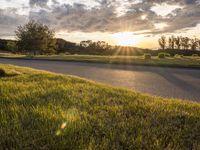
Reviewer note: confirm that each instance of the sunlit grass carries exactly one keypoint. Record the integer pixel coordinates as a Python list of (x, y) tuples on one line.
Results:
[(41, 110), (186, 61)]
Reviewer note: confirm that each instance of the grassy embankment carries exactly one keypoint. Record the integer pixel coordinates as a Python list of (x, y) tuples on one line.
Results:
[(42, 110), (187, 61)]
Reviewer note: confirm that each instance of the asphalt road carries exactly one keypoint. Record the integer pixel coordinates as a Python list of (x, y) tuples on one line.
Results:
[(165, 82)]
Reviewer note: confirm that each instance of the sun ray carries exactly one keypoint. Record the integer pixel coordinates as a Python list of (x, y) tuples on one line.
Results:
[(126, 38)]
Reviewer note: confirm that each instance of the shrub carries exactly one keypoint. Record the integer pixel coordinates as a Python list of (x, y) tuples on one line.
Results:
[(2, 73), (167, 55), (195, 55), (177, 55), (147, 56), (161, 55), (41, 40)]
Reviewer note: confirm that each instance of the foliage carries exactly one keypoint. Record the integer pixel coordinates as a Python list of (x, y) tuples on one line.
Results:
[(11, 46), (194, 44), (162, 42), (35, 38), (95, 46), (167, 55), (161, 55), (185, 43), (195, 55), (67, 47), (8, 45), (179, 43), (172, 42), (147, 56), (177, 56)]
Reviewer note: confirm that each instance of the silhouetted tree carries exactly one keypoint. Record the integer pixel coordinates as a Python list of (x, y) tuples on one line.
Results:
[(178, 42), (185, 43), (171, 42), (95, 46), (162, 42), (35, 38), (194, 44), (198, 44), (86, 44)]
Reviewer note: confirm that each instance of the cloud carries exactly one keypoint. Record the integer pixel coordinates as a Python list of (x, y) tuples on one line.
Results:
[(9, 20), (106, 15), (40, 3), (187, 17), (78, 17)]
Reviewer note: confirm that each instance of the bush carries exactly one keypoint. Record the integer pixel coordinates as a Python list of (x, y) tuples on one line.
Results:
[(2, 73), (195, 55), (177, 55), (147, 56), (167, 55), (41, 40), (161, 55)]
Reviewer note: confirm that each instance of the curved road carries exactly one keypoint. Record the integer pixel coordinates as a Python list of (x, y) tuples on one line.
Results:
[(165, 82)]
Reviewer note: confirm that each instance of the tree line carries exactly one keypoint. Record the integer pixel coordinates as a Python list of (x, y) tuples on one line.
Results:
[(179, 43), (37, 38)]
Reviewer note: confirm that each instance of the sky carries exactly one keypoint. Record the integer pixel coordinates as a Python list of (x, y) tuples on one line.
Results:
[(136, 23)]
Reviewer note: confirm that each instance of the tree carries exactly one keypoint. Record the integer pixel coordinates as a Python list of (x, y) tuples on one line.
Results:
[(35, 38), (162, 42), (185, 42), (194, 44), (178, 42), (95, 46), (11, 46), (86, 44), (172, 42), (198, 44)]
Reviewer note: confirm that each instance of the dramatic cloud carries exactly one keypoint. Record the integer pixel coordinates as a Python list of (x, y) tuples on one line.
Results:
[(9, 20), (152, 16)]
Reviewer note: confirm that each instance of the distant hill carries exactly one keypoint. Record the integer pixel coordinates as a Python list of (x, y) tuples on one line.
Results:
[(63, 46)]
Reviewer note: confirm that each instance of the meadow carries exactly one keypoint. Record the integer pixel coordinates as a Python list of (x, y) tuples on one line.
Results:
[(43, 110), (176, 61)]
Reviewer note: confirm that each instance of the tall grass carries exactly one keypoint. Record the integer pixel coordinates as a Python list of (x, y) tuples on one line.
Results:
[(41, 110)]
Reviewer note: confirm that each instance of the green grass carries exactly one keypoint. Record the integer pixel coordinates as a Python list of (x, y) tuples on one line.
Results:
[(188, 61), (42, 110)]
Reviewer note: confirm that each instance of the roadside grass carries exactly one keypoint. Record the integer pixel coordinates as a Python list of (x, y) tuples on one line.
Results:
[(43, 110), (186, 61)]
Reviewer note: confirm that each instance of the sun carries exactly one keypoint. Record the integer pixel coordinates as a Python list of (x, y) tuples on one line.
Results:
[(125, 38)]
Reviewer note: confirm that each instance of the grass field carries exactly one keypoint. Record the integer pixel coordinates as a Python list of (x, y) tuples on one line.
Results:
[(42, 110), (187, 61)]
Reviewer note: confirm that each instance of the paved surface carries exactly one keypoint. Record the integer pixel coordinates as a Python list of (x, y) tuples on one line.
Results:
[(165, 82)]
